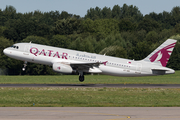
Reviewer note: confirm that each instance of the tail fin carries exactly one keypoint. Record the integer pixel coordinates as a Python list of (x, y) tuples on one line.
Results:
[(162, 54)]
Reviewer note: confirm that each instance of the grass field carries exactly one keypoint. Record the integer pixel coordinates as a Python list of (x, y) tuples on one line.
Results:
[(91, 79), (89, 97)]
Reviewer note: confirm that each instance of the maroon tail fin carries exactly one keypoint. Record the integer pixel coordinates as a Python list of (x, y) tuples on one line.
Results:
[(162, 54)]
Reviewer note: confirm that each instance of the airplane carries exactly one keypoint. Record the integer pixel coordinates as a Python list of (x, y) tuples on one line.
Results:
[(67, 61)]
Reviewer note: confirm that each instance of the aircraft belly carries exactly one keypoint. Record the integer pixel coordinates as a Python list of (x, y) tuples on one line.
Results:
[(115, 71), (41, 60), (36, 59), (18, 55), (108, 70), (29, 57)]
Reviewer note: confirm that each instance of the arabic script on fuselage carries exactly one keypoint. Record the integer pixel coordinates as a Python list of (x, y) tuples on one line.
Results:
[(87, 56)]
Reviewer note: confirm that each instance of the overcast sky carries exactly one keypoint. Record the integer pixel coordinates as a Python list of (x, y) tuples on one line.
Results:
[(80, 7)]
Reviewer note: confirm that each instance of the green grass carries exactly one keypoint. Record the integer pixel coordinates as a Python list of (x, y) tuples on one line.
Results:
[(91, 79), (88, 97)]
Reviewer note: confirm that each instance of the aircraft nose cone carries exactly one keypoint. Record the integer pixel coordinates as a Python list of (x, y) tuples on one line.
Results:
[(5, 51)]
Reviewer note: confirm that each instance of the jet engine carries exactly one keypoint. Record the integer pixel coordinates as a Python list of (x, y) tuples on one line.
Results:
[(62, 68)]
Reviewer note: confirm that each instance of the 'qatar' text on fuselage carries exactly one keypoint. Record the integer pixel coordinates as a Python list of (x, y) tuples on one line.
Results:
[(35, 51)]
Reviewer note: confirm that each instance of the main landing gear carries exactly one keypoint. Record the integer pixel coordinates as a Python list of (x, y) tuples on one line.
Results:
[(25, 64), (81, 77)]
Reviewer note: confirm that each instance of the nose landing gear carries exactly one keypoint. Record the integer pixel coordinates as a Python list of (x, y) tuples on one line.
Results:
[(25, 64)]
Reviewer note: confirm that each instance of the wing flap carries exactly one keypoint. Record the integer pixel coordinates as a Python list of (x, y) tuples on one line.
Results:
[(93, 70), (91, 67)]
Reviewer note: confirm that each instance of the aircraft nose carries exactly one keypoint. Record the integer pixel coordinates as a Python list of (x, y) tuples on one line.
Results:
[(5, 51)]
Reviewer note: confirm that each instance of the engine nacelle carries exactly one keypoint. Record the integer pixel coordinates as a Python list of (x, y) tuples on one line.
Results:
[(62, 68)]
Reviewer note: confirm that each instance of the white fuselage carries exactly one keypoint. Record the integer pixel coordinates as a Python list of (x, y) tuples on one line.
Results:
[(48, 55)]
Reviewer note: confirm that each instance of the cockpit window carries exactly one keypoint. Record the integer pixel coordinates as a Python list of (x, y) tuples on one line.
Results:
[(16, 47)]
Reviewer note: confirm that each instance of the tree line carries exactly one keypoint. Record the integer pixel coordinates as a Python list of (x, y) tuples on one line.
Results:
[(120, 32)]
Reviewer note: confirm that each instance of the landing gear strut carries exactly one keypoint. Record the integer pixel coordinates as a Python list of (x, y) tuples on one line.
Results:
[(25, 64), (81, 77)]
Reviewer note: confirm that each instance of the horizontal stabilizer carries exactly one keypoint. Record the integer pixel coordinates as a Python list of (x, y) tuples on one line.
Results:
[(162, 71)]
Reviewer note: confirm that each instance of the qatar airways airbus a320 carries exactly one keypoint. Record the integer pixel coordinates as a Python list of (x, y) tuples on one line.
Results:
[(67, 61)]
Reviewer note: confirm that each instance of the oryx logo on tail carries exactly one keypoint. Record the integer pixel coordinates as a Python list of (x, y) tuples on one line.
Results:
[(163, 55)]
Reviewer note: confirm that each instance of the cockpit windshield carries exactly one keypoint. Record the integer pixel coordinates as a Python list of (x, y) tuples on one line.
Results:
[(16, 47)]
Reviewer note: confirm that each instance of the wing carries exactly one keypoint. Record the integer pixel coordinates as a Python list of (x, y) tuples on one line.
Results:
[(91, 67)]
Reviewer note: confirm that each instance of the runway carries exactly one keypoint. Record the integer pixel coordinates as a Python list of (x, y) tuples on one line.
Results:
[(89, 113), (96, 85)]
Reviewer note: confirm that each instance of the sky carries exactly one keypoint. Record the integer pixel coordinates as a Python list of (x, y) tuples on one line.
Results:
[(80, 7)]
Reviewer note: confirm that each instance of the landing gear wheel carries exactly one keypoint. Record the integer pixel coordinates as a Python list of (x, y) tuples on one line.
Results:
[(23, 69), (81, 78), (25, 64)]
